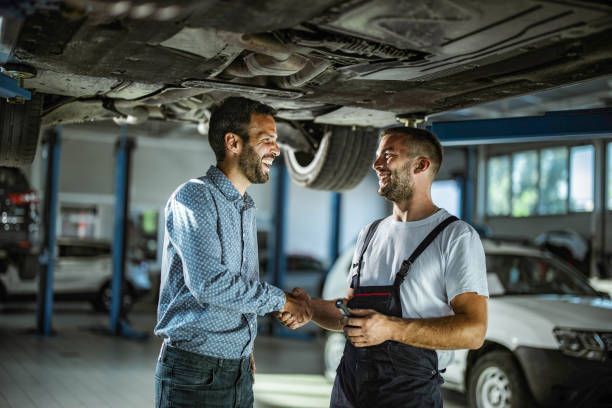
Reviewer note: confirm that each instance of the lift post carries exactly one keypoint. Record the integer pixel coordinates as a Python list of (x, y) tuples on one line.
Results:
[(118, 323), (334, 239), (44, 309), (277, 265)]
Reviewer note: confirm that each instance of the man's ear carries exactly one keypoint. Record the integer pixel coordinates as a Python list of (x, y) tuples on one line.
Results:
[(233, 143), (422, 165)]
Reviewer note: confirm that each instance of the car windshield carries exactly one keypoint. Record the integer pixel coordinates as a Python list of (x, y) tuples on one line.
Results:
[(532, 275)]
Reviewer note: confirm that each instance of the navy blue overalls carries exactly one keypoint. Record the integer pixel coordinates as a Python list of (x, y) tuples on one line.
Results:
[(390, 374)]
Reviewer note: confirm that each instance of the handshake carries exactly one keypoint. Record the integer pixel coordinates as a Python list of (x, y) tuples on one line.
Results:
[(297, 310)]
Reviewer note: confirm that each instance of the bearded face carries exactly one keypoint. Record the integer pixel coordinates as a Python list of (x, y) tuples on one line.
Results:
[(253, 166), (397, 185)]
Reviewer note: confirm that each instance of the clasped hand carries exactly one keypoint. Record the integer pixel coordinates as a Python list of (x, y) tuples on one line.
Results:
[(297, 310), (366, 327)]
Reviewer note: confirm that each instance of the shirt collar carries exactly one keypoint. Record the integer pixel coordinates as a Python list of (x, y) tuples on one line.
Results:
[(226, 187)]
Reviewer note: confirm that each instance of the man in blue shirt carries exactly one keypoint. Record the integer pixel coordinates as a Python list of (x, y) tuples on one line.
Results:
[(210, 293)]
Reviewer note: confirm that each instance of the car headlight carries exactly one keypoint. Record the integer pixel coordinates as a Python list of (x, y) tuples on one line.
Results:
[(585, 344)]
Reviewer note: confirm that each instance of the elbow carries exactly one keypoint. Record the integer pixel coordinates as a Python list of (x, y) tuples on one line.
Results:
[(477, 336)]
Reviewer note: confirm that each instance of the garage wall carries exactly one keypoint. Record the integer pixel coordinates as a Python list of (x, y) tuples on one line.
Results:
[(87, 170), (453, 164), (587, 224)]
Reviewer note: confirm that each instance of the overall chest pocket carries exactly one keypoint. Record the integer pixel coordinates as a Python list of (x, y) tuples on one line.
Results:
[(378, 298)]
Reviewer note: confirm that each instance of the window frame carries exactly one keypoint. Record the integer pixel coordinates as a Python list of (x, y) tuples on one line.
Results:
[(510, 153)]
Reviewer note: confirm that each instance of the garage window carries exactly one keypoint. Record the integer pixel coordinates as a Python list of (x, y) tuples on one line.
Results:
[(543, 182), (498, 183), (581, 178), (553, 181), (524, 183)]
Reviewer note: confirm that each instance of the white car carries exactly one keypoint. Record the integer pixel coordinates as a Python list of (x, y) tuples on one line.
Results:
[(83, 271), (549, 338)]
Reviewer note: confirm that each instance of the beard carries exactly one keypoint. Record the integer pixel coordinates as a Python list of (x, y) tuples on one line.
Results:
[(400, 185), (251, 165)]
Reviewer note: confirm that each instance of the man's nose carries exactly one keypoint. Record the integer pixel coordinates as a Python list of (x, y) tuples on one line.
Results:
[(275, 149), (378, 163)]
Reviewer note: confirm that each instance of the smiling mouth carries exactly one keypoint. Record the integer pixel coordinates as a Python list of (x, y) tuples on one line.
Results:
[(267, 163), (383, 176)]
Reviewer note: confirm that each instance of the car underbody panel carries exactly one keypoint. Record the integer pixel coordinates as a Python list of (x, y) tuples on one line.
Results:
[(410, 58)]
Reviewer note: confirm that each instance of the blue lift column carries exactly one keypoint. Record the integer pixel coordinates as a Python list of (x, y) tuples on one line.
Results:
[(468, 191), (277, 255), (118, 323), (277, 267), (334, 239), (44, 310)]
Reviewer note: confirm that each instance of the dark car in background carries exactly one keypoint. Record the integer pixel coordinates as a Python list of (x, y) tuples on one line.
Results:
[(18, 211)]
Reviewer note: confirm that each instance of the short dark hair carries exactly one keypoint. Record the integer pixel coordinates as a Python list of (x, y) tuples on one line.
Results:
[(233, 115), (422, 141)]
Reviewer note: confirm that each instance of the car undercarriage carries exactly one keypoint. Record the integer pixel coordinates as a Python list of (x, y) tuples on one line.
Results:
[(332, 69)]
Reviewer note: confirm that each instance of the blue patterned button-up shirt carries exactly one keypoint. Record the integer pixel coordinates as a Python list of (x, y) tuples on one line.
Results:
[(210, 292)]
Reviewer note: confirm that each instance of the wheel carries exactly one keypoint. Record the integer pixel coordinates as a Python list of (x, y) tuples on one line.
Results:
[(102, 302), (340, 162), (19, 129), (496, 381), (334, 347)]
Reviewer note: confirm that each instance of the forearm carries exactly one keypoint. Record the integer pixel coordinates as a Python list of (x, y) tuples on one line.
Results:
[(238, 294), (326, 314), (443, 333)]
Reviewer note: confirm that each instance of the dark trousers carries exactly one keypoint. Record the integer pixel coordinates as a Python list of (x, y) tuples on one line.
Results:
[(185, 379)]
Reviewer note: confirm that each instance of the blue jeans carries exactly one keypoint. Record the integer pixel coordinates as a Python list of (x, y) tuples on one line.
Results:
[(185, 379)]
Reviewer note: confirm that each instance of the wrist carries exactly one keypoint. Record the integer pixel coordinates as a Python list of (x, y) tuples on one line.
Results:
[(285, 302), (393, 328)]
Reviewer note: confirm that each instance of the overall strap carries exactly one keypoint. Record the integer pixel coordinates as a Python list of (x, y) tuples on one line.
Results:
[(399, 278), (364, 246)]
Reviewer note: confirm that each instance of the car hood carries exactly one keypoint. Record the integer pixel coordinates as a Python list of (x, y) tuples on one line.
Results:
[(576, 312)]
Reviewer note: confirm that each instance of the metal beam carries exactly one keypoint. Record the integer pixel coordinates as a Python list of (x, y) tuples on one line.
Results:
[(44, 310), (550, 126), (469, 181), (122, 189), (276, 255), (334, 239), (277, 252), (9, 88)]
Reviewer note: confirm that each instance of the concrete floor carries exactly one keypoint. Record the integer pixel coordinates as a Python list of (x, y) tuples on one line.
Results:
[(83, 367)]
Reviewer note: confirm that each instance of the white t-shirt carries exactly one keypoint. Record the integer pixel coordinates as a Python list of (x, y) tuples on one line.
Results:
[(452, 264)]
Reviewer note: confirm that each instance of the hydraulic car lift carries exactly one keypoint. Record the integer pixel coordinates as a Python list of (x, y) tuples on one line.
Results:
[(10, 89), (44, 309)]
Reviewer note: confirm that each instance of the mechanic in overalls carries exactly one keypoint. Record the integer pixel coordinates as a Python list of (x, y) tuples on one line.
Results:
[(418, 287)]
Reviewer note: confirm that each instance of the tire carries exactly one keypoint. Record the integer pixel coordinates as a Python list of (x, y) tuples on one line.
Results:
[(334, 347), (19, 130), (102, 301), (496, 381), (341, 161)]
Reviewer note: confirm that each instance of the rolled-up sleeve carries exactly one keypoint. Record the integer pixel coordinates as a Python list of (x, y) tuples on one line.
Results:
[(192, 228)]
